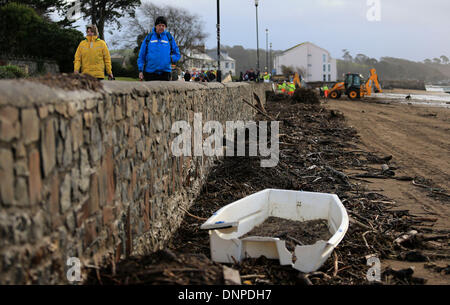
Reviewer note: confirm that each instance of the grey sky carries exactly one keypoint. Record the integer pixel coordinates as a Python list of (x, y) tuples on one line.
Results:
[(411, 29)]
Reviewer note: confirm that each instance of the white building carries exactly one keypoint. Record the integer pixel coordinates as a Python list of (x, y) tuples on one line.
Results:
[(314, 63), (227, 64), (199, 61)]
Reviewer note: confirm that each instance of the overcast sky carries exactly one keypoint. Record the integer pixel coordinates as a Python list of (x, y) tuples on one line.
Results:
[(411, 29)]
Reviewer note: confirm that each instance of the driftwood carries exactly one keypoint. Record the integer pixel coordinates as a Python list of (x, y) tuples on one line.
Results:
[(259, 110)]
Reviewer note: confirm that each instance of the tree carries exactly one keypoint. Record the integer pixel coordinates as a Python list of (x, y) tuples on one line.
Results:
[(42, 7), (436, 60), (427, 61), (347, 56), (23, 32), (371, 62), (186, 28), (104, 12), (445, 59), (361, 59)]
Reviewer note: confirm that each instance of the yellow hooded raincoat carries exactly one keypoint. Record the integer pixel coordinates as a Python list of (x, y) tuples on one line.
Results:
[(93, 57)]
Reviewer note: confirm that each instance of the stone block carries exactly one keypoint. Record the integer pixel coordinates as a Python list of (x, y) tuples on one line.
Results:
[(34, 180), (9, 124), (61, 108), (43, 112), (108, 215), (93, 205), (90, 104), (118, 112), (20, 151), (21, 192), (30, 125), (76, 127), (54, 202), (68, 154), (48, 147), (88, 119), (6, 176), (65, 193)]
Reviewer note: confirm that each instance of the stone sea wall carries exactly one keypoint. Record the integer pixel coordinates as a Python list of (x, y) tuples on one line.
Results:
[(91, 175)]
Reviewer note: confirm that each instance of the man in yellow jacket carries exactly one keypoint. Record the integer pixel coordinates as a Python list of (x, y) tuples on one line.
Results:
[(93, 56)]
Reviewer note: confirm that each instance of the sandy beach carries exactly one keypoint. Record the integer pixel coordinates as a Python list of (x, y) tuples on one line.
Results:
[(418, 138)]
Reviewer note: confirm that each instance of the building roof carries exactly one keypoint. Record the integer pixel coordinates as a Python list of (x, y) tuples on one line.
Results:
[(294, 47), (201, 56), (301, 44), (223, 55)]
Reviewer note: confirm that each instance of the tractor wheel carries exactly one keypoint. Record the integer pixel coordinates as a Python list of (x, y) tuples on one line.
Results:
[(353, 95), (335, 95)]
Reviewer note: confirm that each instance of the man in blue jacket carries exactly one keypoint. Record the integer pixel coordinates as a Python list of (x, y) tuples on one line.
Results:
[(158, 52)]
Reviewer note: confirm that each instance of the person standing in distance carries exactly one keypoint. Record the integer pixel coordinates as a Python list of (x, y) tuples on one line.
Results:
[(92, 55), (158, 52)]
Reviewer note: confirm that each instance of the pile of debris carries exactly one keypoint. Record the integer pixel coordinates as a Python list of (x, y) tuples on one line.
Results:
[(316, 149), (305, 96), (301, 95)]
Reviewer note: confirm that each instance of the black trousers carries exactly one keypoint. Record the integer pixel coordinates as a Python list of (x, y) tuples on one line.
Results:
[(164, 76)]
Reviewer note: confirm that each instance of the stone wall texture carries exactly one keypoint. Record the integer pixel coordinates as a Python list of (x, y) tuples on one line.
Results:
[(91, 174)]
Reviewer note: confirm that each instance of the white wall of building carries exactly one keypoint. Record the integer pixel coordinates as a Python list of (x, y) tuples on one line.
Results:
[(227, 64), (311, 59)]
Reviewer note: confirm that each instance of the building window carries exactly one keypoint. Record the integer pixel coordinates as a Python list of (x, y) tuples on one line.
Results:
[(324, 77), (232, 65), (329, 68), (329, 77), (324, 68), (309, 65), (324, 58), (227, 65)]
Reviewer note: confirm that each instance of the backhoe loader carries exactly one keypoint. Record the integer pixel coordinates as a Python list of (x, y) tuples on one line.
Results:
[(355, 87)]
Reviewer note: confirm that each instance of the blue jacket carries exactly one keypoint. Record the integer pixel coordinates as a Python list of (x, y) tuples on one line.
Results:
[(158, 53)]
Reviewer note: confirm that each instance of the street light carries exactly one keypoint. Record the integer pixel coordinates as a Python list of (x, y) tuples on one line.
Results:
[(270, 59), (219, 72), (257, 37), (267, 50)]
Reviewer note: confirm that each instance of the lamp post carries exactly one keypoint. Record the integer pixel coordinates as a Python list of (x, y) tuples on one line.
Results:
[(257, 37), (267, 50), (219, 72), (270, 59)]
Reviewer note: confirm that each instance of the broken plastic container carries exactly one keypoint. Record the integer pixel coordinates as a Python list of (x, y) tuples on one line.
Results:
[(233, 221)]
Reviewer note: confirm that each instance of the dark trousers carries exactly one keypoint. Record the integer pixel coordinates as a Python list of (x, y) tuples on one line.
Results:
[(164, 76)]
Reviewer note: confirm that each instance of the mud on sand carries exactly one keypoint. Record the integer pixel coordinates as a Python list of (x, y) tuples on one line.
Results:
[(317, 149), (293, 232)]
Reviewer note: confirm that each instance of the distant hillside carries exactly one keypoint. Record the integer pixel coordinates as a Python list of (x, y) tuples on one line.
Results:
[(389, 68)]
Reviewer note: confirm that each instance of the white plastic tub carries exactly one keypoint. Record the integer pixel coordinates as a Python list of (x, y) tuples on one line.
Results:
[(231, 222)]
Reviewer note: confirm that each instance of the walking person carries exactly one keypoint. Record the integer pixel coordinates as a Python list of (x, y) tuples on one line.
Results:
[(92, 55), (157, 54), (187, 76)]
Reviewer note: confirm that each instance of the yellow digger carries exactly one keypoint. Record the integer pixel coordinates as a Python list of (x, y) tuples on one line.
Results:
[(355, 87)]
